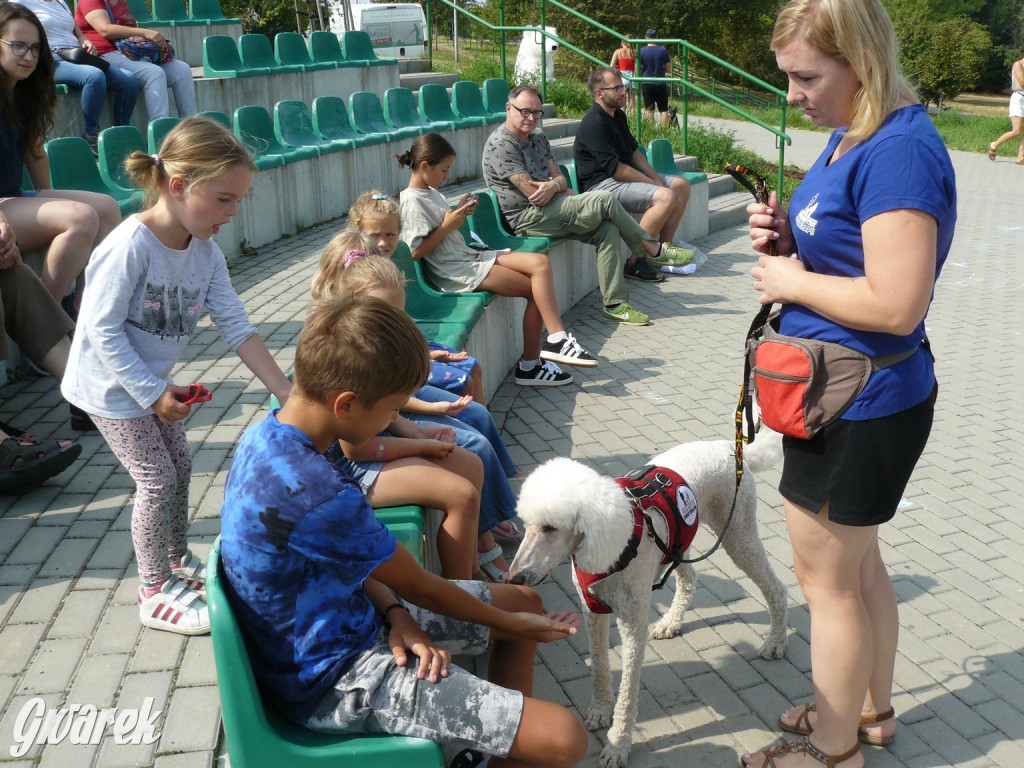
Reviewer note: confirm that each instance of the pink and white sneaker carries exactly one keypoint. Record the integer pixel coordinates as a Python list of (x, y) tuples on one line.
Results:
[(175, 608), (192, 572)]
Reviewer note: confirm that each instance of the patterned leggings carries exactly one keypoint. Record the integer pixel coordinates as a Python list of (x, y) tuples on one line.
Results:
[(156, 455)]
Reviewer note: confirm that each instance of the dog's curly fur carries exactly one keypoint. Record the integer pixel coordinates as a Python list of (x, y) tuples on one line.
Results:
[(568, 508)]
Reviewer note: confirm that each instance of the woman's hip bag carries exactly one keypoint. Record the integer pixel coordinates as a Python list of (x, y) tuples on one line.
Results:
[(802, 385)]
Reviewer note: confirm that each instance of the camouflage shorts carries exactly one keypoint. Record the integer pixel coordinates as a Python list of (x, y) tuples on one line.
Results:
[(461, 711)]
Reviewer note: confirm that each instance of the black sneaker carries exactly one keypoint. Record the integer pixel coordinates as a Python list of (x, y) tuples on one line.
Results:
[(545, 374), (640, 269), (567, 352)]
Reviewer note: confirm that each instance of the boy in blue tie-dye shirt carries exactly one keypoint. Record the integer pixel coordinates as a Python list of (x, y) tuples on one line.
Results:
[(332, 609)]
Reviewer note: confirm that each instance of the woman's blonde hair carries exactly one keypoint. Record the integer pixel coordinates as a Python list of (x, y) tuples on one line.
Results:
[(373, 205), (351, 265), (197, 149), (858, 33)]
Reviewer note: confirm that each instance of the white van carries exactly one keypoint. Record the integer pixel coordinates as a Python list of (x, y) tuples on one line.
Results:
[(397, 30)]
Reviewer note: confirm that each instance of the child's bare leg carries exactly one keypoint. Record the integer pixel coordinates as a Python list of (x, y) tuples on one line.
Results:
[(528, 276), (451, 485), (549, 734), (485, 543), (476, 376)]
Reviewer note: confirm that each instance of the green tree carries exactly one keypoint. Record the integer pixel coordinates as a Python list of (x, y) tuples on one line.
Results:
[(951, 63)]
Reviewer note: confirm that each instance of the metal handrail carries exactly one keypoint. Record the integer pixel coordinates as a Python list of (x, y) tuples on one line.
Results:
[(782, 138)]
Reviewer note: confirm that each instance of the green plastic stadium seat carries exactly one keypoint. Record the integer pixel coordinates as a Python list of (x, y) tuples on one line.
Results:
[(662, 159), (467, 102), (495, 95), (290, 50), (569, 171), (140, 10), (486, 221), (174, 13), (324, 46), (357, 46), (435, 306), (221, 59), (435, 107), (114, 145), (256, 51), (209, 11), (450, 334), (367, 115), (157, 130), (293, 127), (331, 122), (63, 88), (220, 117), (400, 112), (72, 166), (408, 526), (259, 736), (254, 126), (26, 180)]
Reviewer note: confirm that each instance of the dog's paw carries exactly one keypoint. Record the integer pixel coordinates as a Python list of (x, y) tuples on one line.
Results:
[(772, 650), (664, 629), (598, 717), (614, 757)]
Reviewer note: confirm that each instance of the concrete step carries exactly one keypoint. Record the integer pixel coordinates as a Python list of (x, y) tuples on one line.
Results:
[(727, 210), (413, 80)]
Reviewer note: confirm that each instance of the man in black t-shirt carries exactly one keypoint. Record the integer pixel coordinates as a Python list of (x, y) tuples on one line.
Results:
[(654, 62), (608, 158)]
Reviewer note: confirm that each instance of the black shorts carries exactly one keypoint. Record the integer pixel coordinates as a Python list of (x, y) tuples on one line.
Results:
[(655, 94), (861, 468)]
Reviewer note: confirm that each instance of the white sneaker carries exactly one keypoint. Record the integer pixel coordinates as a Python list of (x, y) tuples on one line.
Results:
[(175, 608), (192, 572)]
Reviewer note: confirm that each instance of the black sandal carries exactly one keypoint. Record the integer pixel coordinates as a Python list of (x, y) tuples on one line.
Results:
[(38, 462)]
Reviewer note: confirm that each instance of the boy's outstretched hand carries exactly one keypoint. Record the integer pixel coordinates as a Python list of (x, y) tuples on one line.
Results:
[(445, 408), (554, 625), (406, 635)]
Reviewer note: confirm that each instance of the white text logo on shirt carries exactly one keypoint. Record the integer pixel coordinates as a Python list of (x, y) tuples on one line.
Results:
[(805, 219)]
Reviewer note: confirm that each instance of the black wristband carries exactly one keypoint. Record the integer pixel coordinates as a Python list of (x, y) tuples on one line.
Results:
[(390, 608)]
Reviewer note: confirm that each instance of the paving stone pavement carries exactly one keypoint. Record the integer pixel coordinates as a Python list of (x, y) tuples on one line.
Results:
[(69, 631)]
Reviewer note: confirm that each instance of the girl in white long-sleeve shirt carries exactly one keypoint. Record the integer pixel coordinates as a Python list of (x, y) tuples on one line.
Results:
[(151, 279)]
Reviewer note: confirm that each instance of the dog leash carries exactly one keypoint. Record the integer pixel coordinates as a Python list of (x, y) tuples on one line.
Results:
[(758, 187)]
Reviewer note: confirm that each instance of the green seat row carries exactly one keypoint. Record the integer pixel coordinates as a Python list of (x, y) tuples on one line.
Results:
[(259, 736), (253, 55), (174, 13)]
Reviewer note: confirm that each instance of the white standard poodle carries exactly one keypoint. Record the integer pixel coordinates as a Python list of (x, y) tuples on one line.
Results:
[(571, 510)]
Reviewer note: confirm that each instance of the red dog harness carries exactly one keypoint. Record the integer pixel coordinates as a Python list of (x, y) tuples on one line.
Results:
[(651, 491)]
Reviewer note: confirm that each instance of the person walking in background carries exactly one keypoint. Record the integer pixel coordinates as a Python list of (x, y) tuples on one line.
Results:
[(1016, 113), (77, 58), (624, 60), (105, 22), (873, 226), (654, 62)]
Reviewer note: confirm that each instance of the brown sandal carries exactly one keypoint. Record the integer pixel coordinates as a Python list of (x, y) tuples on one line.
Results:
[(803, 727), (992, 152), (805, 746)]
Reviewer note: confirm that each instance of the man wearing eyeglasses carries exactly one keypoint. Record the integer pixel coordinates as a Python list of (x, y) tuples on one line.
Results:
[(608, 158), (534, 199)]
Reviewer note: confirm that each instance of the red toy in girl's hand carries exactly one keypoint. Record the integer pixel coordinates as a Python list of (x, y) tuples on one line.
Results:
[(197, 393)]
